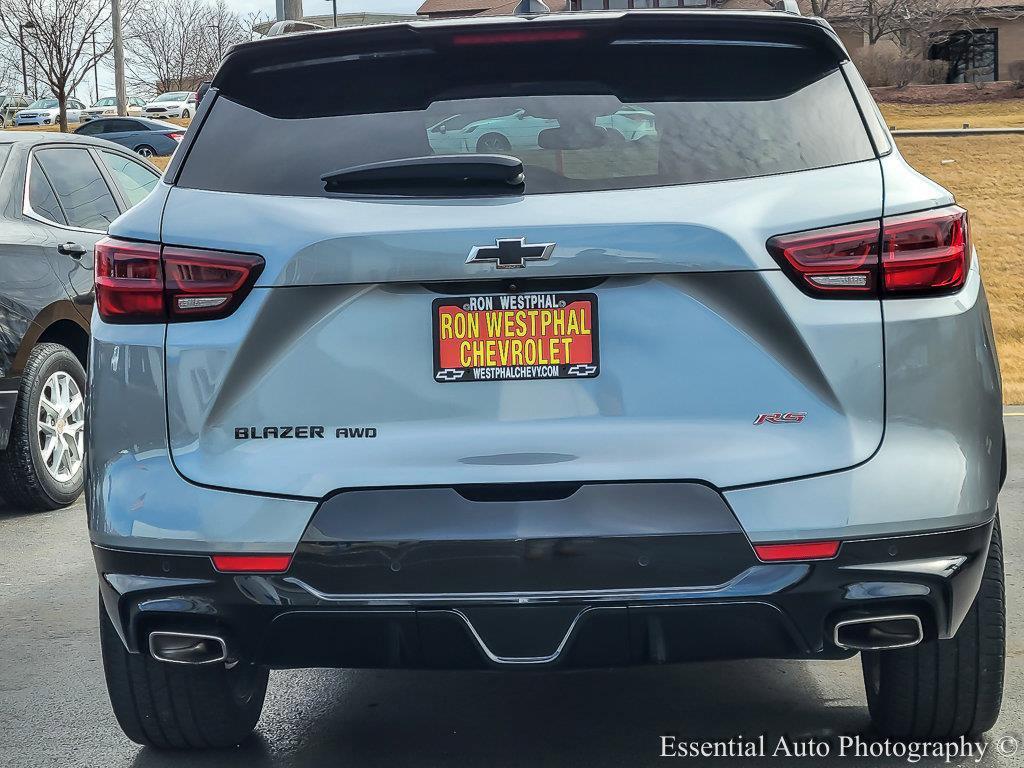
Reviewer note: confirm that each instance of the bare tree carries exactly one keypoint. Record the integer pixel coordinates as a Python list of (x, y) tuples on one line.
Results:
[(912, 24), (63, 31), (252, 20), (10, 68), (175, 46), (228, 28), (162, 46), (827, 9)]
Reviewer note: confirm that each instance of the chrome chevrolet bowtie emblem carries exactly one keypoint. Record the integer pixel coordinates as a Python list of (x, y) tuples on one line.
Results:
[(510, 253)]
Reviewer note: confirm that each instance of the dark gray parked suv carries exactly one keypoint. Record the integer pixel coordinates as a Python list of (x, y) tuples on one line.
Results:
[(722, 387), (58, 193)]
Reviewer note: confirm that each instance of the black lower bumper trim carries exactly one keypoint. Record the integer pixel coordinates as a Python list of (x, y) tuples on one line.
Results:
[(764, 610)]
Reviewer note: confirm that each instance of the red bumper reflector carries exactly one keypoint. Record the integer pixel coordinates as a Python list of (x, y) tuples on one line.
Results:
[(808, 550), (252, 563)]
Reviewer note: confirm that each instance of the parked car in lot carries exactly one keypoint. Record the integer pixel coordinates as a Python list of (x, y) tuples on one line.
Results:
[(521, 130), (107, 107), (175, 104), (58, 193), (10, 105), (149, 138), (728, 391), (47, 112)]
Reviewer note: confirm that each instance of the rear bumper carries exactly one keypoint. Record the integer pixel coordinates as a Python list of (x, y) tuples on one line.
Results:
[(299, 619)]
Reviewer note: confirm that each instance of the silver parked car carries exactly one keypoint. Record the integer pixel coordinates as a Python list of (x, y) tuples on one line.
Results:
[(10, 105), (107, 107), (726, 391), (47, 112)]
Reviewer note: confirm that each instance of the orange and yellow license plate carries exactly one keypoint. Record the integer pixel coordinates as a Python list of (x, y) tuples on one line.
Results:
[(510, 337)]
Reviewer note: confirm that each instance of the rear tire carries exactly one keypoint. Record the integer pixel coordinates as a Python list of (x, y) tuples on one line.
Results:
[(185, 114), (493, 144), (25, 481), (944, 689), (171, 706), (145, 150)]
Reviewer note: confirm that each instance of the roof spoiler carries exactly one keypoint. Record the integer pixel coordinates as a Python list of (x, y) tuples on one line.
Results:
[(251, 70)]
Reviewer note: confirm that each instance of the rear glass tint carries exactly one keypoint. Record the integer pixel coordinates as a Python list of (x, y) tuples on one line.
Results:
[(638, 115)]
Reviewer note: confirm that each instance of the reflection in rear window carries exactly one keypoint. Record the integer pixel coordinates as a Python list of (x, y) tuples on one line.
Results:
[(571, 134)]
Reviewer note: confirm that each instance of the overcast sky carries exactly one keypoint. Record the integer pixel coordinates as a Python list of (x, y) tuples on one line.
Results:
[(268, 8)]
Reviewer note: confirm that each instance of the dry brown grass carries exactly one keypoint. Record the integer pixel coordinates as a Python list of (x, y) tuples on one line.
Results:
[(51, 128), (1006, 113), (987, 178)]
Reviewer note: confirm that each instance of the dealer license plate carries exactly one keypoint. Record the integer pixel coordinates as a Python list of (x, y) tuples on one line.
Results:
[(511, 337)]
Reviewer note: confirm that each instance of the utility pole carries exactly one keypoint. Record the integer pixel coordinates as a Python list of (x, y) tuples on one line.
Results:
[(335, 4), (95, 68), (21, 39), (119, 87)]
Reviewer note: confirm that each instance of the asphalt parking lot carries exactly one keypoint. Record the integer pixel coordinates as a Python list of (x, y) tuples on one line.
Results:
[(54, 708)]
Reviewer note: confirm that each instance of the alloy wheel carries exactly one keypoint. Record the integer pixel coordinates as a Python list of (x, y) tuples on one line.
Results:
[(494, 144), (61, 426)]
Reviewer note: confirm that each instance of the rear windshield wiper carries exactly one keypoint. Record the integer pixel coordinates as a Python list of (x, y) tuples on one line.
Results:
[(431, 174)]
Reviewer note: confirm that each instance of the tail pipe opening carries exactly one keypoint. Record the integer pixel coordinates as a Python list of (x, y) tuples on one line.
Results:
[(879, 633), (187, 648)]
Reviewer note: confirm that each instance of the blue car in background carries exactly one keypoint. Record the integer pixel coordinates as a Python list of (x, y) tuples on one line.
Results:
[(149, 138)]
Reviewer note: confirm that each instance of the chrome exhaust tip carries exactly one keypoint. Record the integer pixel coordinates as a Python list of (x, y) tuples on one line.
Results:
[(187, 648), (879, 633)]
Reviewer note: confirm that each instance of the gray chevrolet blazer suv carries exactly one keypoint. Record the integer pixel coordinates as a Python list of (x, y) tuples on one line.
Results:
[(581, 340)]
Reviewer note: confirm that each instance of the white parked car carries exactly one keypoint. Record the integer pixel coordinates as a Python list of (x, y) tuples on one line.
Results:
[(47, 112), (107, 107), (172, 104)]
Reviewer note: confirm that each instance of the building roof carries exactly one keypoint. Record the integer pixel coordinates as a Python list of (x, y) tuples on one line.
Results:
[(836, 9), (479, 7), (499, 7), (1017, 6)]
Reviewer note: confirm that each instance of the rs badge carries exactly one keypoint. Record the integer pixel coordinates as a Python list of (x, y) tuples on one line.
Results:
[(790, 417)]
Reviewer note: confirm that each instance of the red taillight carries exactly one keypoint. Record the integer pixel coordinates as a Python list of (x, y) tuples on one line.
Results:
[(838, 260), (806, 550), (142, 283), (129, 282), (252, 563), (176, 136), (925, 253), (207, 283), (533, 36)]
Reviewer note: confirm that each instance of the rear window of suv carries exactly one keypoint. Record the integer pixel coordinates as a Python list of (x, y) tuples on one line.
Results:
[(614, 116)]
